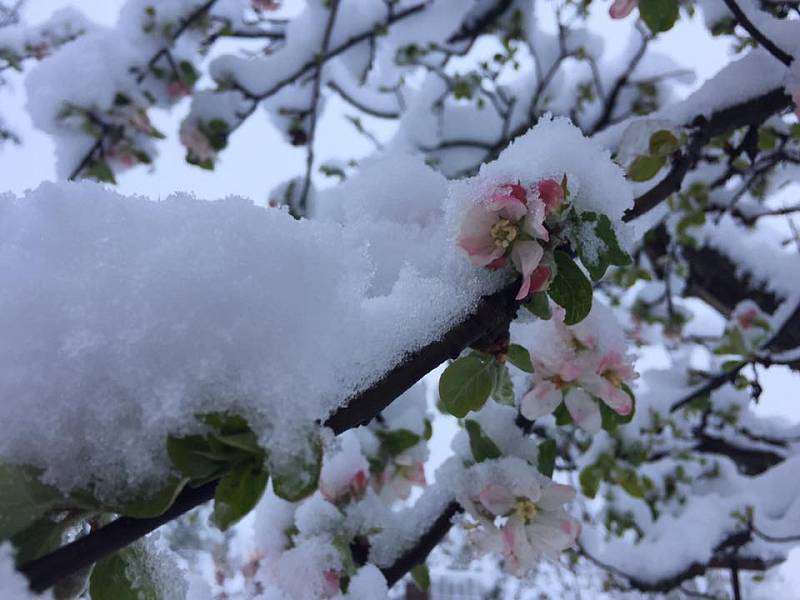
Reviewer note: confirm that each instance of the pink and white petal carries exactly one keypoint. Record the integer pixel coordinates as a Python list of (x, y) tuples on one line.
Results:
[(534, 406), (526, 256), (618, 400), (482, 252), (555, 496), (584, 410), (533, 224), (498, 500)]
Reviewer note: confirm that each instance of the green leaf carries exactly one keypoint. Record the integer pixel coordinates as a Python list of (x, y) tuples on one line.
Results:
[(767, 139), (297, 476), (660, 15), (154, 503), (398, 440), (503, 392), (24, 499), (238, 492), (629, 481), (590, 478), (539, 306), (482, 446), (562, 415), (123, 576), (190, 455), (42, 537), (100, 171), (645, 167), (188, 72), (608, 417), (547, 457), (466, 384), (663, 143), (421, 576), (571, 289), (520, 358), (604, 250), (225, 422)]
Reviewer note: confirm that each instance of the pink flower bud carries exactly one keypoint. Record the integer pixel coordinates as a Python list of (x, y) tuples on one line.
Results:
[(551, 193), (621, 8)]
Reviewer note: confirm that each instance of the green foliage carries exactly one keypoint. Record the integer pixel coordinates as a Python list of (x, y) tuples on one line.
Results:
[(24, 499), (295, 477), (421, 576), (467, 383), (659, 15), (539, 306), (571, 289), (123, 576), (238, 493), (590, 478), (100, 171), (398, 440), (481, 445), (663, 143), (503, 391), (547, 457), (520, 358), (597, 257), (645, 167)]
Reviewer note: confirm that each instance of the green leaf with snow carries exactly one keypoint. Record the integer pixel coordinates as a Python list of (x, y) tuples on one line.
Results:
[(24, 499), (570, 289), (520, 358), (590, 478), (193, 457), (295, 477), (503, 391), (645, 167), (659, 15), (238, 492), (481, 445), (100, 171), (123, 576), (598, 246), (153, 503), (467, 383)]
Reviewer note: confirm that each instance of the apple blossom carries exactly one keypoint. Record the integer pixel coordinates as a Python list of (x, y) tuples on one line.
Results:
[(517, 512), (579, 375)]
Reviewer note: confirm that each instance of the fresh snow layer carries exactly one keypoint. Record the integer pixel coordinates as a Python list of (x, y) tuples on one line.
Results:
[(122, 317)]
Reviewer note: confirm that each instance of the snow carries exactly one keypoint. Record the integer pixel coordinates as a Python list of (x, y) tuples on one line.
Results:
[(126, 317)]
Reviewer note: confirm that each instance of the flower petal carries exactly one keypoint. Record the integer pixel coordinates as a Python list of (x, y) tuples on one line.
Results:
[(536, 404), (584, 410)]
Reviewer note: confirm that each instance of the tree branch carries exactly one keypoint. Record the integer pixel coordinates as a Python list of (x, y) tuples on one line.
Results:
[(757, 35)]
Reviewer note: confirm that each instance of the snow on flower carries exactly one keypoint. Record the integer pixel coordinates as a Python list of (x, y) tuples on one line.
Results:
[(510, 224), (517, 511), (621, 8), (749, 322), (583, 363)]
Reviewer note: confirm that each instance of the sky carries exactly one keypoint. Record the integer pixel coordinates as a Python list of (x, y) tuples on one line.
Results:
[(257, 159)]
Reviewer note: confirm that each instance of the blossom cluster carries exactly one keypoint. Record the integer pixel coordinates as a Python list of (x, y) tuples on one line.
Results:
[(515, 223), (579, 372), (517, 512)]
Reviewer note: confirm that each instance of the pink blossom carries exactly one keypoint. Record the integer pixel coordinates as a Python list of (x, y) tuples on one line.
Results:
[(331, 579), (266, 4), (497, 500), (621, 8)]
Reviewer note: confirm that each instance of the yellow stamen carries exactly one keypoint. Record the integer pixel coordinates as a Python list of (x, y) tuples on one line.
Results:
[(527, 509), (504, 232)]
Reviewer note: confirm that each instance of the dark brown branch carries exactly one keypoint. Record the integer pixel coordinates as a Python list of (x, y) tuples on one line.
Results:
[(757, 35), (427, 542), (492, 314), (725, 120)]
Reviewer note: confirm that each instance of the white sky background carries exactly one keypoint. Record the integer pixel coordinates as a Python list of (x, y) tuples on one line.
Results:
[(257, 159)]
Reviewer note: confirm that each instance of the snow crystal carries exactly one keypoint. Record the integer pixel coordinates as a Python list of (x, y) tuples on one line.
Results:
[(368, 583)]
